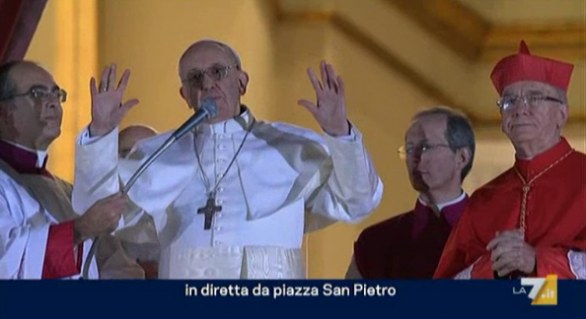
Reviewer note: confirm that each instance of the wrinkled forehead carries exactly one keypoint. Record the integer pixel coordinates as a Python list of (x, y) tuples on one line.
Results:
[(429, 127), (528, 88), (204, 54)]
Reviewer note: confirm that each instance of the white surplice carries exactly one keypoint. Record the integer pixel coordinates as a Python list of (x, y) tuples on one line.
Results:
[(285, 181), (24, 230)]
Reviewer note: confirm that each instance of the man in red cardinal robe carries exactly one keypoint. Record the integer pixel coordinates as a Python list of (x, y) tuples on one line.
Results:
[(531, 220)]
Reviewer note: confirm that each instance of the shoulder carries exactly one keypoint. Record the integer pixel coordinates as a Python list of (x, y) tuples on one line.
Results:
[(149, 145), (496, 184), (7, 183), (578, 157), (13, 194), (571, 174), (492, 190), (278, 133), (386, 228), (287, 130)]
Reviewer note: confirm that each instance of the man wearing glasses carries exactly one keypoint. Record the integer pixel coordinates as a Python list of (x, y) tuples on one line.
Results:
[(40, 234), (438, 152), (531, 220), (233, 198)]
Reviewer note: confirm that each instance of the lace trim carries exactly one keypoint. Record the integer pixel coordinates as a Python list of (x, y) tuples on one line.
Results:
[(577, 261), (465, 274), (234, 262)]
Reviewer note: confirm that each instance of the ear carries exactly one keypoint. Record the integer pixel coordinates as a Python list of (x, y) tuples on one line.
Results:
[(464, 156), (6, 118), (563, 116), (184, 96), (242, 82), (181, 92)]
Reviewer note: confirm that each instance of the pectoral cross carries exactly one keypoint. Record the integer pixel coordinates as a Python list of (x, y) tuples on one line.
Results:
[(209, 210)]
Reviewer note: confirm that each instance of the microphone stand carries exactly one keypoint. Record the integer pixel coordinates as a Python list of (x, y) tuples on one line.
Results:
[(208, 109)]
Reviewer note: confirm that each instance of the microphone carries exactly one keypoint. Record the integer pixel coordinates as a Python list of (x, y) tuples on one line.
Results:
[(207, 109)]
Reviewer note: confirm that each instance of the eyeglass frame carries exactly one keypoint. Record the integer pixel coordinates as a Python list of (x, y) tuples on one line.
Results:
[(405, 152), (530, 101), (224, 69), (40, 93)]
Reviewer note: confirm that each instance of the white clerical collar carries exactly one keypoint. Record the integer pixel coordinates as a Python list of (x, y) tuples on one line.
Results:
[(233, 125), (441, 206), (41, 155)]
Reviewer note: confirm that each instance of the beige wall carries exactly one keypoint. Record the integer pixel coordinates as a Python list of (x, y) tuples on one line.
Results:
[(379, 104), (148, 37), (65, 44)]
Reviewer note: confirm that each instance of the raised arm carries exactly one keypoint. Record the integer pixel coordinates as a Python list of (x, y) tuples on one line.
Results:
[(96, 158), (349, 187)]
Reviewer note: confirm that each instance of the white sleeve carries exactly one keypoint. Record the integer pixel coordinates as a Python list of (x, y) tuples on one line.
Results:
[(352, 189), (22, 245), (96, 170)]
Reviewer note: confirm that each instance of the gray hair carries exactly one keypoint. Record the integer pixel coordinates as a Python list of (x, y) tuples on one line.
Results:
[(459, 132), (7, 86)]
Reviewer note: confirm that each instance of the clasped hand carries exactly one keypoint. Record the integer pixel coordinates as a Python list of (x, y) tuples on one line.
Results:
[(510, 252)]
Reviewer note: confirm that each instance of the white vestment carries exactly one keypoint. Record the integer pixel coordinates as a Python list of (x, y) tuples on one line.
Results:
[(281, 173), (24, 230)]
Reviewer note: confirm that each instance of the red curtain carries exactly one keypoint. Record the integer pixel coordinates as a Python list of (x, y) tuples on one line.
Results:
[(18, 22)]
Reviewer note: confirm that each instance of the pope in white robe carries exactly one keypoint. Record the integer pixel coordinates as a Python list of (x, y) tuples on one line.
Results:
[(269, 182)]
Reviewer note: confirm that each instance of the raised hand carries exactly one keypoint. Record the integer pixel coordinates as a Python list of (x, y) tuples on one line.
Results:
[(510, 252), (330, 107), (107, 107)]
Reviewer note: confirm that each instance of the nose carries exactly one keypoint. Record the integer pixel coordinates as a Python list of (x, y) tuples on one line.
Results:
[(52, 103), (52, 106), (206, 82), (521, 106)]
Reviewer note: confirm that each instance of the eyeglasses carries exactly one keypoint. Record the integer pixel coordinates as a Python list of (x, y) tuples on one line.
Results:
[(215, 72), (411, 151), (41, 94), (507, 103)]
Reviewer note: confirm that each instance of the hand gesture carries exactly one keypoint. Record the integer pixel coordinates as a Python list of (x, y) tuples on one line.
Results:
[(101, 218), (107, 107), (330, 108), (510, 252)]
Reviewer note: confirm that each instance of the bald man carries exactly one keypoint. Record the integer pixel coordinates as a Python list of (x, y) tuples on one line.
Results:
[(129, 136), (140, 240)]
